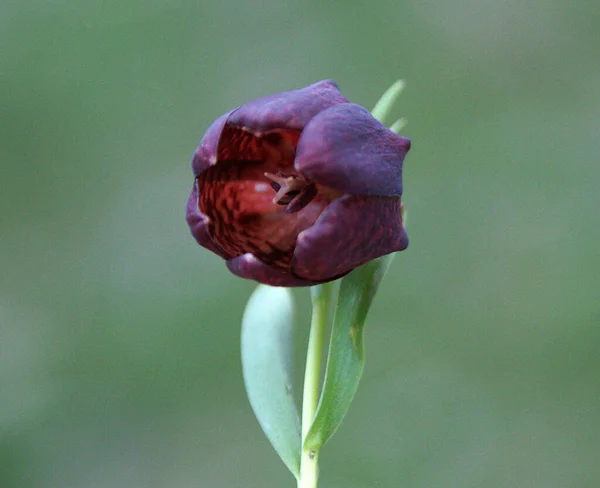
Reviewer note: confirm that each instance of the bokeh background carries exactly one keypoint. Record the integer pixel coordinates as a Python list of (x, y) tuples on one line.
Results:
[(119, 336)]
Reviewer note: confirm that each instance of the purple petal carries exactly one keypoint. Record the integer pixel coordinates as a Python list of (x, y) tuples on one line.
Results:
[(345, 148), (247, 266), (206, 153), (199, 223), (287, 110), (354, 229)]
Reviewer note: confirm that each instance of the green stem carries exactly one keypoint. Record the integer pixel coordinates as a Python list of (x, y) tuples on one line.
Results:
[(309, 461)]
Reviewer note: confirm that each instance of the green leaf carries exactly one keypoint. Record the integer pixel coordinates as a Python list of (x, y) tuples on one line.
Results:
[(346, 357), (266, 362), (397, 126), (383, 107)]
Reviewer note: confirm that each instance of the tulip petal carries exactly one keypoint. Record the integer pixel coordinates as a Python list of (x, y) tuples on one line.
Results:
[(247, 266), (288, 110), (206, 153), (351, 231), (199, 224), (345, 148)]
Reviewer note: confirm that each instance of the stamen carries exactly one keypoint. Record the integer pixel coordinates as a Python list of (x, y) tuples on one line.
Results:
[(293, 191)]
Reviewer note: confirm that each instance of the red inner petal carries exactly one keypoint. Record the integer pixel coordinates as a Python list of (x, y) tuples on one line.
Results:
[(238, 199)]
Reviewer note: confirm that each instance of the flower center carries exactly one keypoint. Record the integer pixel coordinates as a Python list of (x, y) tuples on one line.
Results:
[(295, 192), (255, 200)]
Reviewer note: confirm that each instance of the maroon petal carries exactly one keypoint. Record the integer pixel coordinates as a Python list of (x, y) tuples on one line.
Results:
[(287, 110), (199, 223), (354, 229), (247, 266), (345, 148), (206, 153)]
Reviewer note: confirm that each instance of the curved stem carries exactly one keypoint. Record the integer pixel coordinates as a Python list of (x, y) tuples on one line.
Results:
[(309, 467)]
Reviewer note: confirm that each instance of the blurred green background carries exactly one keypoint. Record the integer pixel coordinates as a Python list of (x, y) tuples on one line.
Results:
[(119, 336)]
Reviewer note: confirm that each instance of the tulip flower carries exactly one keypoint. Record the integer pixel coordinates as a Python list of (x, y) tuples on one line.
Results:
[(298, 188)]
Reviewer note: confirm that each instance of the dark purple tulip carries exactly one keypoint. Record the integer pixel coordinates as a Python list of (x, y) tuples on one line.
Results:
[(298, 188)]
